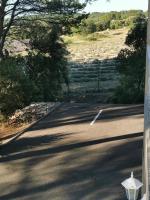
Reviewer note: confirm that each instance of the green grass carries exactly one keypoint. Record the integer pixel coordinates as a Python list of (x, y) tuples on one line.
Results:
[(96, 36), (2, 118), (77, 38)]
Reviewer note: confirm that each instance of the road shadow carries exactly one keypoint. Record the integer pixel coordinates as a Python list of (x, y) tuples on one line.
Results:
[(73, 114), (119, 112), (29, 143), (84, 170), (24, 147), (41, 168)]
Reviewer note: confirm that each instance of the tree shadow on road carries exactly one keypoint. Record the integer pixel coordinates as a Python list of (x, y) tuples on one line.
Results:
[(72, 114), (24, 147), (89, 170), (28, 143)]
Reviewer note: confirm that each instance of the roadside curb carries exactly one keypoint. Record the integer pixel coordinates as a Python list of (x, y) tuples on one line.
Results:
[(17, 135)]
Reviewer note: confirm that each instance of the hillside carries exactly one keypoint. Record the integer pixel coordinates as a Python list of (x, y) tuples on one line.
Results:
[(92, 65), (106, 47)]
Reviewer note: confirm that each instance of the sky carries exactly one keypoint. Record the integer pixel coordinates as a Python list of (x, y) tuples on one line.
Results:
[(117, 5)]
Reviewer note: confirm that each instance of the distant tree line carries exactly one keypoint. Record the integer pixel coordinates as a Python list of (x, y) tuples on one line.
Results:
[(96, 22)]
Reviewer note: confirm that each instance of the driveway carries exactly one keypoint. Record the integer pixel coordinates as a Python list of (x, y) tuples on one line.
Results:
[(80, 151)]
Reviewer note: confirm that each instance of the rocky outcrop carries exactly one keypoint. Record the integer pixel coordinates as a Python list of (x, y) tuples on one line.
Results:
[(17, 47)]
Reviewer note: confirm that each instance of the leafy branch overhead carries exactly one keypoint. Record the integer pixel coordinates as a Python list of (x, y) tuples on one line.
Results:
[(11, 11), (40, 75)]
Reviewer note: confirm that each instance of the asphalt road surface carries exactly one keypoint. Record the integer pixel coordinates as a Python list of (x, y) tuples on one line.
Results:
[(79, 152)]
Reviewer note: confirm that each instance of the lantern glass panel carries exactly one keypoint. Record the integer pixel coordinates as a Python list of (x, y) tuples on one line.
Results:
[(127, 193), (132, 194), (137, 194)]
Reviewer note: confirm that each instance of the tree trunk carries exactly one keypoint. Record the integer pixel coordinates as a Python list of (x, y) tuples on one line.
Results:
[(1, 53), (2, 16)]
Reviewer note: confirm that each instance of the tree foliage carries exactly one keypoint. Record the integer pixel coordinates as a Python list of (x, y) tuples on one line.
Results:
[(16, 88), (13, 11), (39, 75), (132, 62), (112, 20), (47, 64)]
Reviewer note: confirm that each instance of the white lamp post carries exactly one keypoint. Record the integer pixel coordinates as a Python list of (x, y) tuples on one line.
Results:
[(144, 197), (132, 186)]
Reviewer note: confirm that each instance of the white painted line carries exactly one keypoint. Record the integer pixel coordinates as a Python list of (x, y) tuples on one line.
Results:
[(95, 118)]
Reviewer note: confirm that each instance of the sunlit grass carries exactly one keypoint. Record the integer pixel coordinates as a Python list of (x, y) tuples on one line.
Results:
[(97, 36), (75, 39)]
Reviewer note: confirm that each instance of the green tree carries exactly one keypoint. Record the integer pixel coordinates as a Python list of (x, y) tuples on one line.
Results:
[(89, 27), (13, 11), (112, 20), (40, 74), (132, 64), (47, 63)]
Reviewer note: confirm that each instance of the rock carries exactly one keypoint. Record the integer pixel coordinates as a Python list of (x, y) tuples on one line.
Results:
[(31, 113)]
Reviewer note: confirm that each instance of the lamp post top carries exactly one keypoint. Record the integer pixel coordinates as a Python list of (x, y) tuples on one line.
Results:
[(132, 183)]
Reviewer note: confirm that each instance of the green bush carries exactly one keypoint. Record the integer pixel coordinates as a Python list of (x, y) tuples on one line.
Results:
[(116, 24), (16, 89), (92, 38), (46, 76), (96, 36), (88, 27)]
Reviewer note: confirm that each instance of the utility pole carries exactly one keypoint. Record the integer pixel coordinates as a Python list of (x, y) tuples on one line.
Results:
[(146, 141)]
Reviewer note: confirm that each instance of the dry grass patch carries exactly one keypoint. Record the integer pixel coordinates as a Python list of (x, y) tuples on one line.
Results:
[(7, 131)]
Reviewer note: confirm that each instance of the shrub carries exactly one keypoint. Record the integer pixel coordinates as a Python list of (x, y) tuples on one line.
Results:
[(132, 64), (47, 64), (16, 89), (92, 37), (46, 76)]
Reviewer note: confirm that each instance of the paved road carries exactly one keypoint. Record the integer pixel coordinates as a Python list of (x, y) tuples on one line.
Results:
[(63, 157)]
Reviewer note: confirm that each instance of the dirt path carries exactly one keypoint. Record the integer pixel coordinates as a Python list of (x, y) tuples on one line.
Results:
[(65, 158)]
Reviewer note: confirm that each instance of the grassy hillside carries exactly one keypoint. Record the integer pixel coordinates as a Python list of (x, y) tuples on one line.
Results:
[(106, 45), (92, 65)]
